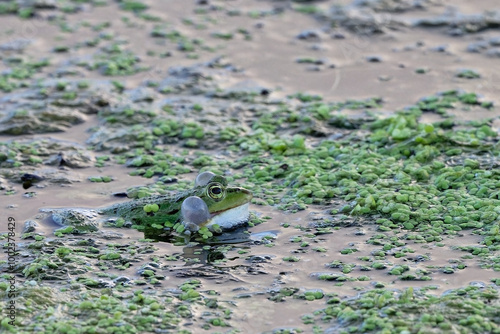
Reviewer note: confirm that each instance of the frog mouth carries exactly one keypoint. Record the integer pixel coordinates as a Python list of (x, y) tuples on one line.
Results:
[(230, 218)]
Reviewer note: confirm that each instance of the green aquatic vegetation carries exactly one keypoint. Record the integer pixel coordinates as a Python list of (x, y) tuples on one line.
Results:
[(218, 322), (467, 74), (41, 267), (20, 70), (60, 49), (64, 230), (346, 268), (398, 270), (104, 179), (192, 130), (25, 13), (151, 208), (348, 250), (264, 141), (307, 9), (113, 60), (223, 35), (281, 294), (303, 97), (415, 182), (149, 17), (93, 310), (133, 6), (63, 251), (121, 64), (160, 31), (386, 311), (9, 7), (189, 290)]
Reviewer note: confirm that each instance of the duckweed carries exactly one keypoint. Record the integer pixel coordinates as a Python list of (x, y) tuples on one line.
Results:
[(413, 182), (385, 311)]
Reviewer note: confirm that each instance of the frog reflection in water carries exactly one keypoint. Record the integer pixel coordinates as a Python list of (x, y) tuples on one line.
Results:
[(211, 203)]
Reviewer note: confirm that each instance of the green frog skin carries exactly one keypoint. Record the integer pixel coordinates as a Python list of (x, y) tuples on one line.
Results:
[(209, 203)]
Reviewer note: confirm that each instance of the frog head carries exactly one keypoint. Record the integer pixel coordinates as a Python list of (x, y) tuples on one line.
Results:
[(213, 202)]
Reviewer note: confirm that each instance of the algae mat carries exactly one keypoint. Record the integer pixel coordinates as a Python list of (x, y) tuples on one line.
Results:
[(367, 132)]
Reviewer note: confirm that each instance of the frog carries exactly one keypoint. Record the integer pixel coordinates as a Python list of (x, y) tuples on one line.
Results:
[(210, 204)]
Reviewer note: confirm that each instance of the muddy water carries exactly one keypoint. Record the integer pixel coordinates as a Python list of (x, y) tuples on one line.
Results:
[(269, 59)]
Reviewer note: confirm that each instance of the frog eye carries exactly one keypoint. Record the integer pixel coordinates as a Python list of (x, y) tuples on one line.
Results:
[(215, 191)]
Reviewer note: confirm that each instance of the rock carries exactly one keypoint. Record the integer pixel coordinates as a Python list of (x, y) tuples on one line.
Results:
[(144, 268), (493, 52), (459, 24), (49, 151), (122, 279), (66, 71), (112, 139), (391, 6), (3, 184), (313, 68), (359, 232), (59, 177), (477, 47), (439, 48), (72, 159), (82, 220), (374, 59), (19, 122), (309, 35), (109, 235), (29, 180), (318, 47), (350, 121), (17, 45), (260, 258), (38, 4), (29, 226), (363, 19), (495, 41), (263, 236), (456, 32), (478, 284), (197, 78), (53, 106), (140, 94)]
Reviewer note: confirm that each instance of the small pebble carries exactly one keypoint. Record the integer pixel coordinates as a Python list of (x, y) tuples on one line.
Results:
[(374, 59), (309, 35)]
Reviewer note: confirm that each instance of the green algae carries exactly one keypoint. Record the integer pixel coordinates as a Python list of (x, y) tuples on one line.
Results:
[(414, 178), (413, 182), (102, 310), (133, 6), (398, 151), (117, 62), (386, 311), (19, 71), (468, 74), (98, 179)]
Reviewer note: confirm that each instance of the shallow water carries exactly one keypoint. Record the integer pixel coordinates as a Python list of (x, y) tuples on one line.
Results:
[(247, 275)]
